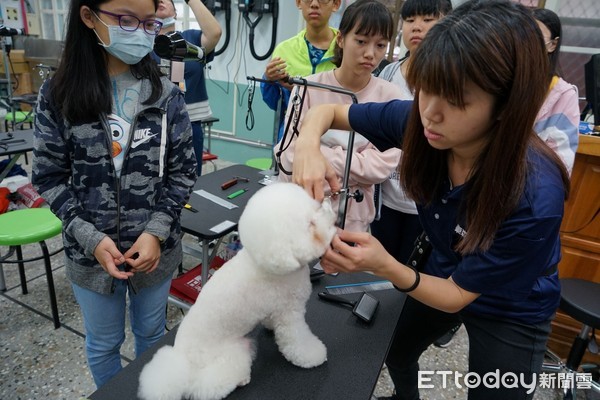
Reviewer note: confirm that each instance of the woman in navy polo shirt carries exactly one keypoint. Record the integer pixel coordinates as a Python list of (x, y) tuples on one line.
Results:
[(489, 192)]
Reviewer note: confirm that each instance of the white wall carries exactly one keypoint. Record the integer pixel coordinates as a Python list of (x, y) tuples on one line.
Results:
[(237, 61)]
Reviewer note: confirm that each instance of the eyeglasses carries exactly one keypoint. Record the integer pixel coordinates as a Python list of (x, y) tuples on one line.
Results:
[(550, 41), (323, 2), (131, 23)]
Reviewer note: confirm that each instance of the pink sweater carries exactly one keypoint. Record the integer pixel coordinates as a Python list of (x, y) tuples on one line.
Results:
[(369, 165), (557, 123)]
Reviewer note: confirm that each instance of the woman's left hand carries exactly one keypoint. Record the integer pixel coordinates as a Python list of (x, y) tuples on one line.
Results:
[(367, 254), (144, 255)]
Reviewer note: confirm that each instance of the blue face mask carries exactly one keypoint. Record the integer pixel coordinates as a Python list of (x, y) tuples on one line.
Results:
[(168, 22), (129, 47)]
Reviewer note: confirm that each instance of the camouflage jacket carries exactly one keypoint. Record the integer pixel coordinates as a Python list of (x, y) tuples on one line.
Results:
[(73, 171)]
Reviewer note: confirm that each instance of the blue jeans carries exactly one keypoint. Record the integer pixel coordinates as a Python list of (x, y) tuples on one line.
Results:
[(104, 321)]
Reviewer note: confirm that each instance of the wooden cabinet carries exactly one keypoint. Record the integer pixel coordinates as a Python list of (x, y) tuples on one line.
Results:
[(580, 238)]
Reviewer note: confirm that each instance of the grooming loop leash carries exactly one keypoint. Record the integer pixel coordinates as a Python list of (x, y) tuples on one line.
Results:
[(250, 112), (286, 140)]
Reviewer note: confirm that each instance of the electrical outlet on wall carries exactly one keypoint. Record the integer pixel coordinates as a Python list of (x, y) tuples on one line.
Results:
[(33, 25), (12, 14)]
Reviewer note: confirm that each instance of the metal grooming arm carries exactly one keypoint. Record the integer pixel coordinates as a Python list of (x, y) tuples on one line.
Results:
[(345, 191)]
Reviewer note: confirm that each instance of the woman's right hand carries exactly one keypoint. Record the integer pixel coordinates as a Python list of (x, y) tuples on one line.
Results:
[(109, 256), (311, 169)]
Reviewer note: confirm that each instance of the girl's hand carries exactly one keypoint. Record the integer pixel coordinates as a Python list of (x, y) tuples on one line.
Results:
[(109, 257), (276, 69), (144, 255)]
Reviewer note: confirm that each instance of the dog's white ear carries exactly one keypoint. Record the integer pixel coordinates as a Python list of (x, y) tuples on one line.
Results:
[(321, 224)]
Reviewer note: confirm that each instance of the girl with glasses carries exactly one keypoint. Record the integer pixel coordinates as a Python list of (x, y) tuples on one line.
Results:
[(489, 192), (114, 159), (557, 122), (365, 31)]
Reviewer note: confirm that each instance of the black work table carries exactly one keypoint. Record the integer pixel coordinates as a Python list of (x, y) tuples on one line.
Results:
[(210, 215), (14, 144), (355, 351)]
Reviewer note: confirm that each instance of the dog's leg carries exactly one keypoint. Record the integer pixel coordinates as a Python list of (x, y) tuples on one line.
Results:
[(296, 341)]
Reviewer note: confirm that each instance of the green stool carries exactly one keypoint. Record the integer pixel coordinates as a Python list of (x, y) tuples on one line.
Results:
[(260, 163), (20, 117), (26, 226)]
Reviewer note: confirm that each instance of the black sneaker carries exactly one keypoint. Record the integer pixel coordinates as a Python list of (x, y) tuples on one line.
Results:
[(446, 338)]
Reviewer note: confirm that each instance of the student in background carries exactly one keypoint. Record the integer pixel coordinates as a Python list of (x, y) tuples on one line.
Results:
[(365, 31), (196, 97), (307, 53), (490, 196), (114, 159), (398, 224), (557, 122)]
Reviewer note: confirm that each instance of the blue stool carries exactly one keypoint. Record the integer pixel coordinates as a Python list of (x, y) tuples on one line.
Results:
[(26, 226)]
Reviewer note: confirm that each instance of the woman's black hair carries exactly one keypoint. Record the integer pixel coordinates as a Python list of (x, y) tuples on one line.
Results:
[(370, 17), (81, 87), (437, 8), (496, 45), (552, 22)]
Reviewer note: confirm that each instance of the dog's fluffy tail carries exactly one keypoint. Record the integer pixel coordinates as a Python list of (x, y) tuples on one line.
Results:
[(166, 376), (229, 367)]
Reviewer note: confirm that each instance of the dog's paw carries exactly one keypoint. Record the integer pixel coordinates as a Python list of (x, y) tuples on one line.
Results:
[(244, 382), (310, 354)]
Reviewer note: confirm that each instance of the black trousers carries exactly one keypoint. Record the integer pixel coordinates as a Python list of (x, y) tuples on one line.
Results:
[(495, 346)]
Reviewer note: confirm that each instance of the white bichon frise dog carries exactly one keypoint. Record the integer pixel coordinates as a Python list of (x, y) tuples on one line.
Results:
[(282, 229)]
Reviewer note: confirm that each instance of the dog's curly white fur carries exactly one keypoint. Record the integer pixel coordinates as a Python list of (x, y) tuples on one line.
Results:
[(282, 229)]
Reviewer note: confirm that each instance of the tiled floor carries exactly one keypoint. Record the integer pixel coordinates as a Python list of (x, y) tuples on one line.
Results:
[(39, 362)]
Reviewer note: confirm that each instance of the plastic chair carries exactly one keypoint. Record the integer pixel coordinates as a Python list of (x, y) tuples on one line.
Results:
[(209, 157), (26, 226), (187, 286), (580, 299)]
